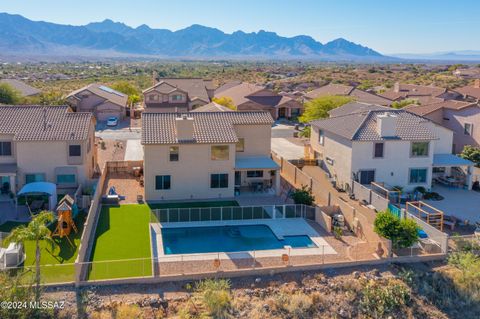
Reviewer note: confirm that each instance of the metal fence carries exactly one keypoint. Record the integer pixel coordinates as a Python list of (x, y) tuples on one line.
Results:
[(171, 215)]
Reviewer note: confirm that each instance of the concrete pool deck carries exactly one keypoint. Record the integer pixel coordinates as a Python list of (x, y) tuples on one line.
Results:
[(280, 228)]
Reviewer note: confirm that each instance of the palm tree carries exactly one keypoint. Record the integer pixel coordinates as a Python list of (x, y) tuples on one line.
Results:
[(36, 230)]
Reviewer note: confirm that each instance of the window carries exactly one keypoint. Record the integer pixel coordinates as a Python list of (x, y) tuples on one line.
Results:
[(467, 129), (367, 177), (177, 97), (321, 137), (174, 154), (418, 175), (66, 179), (378, 150), (74, 150), (254, 173), (240, 147), (5, 148), (162, 182), (32, 178), (219, 181), (219, 152), (419, 149)]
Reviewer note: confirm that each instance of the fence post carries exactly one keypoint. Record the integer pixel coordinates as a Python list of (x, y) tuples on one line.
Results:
[(274, 216), (221, 213), (370, 196)]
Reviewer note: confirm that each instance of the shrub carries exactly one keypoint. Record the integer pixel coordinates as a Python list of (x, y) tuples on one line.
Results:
[(215, 296), (303, 196), (381, 298), (402, 232), (299, 306)]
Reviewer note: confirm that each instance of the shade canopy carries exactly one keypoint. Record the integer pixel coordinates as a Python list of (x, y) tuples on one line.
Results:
[(41, 188), (450, 160), (263, 162)]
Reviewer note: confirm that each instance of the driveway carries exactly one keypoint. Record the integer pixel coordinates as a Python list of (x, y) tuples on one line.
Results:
[(134, 150), (282, 131), (287, 149), (461, 203)]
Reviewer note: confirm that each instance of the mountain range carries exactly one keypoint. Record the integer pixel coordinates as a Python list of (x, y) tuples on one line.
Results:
[(21, 36)]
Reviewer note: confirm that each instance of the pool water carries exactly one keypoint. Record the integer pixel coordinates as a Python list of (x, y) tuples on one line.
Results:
[(191, 240)]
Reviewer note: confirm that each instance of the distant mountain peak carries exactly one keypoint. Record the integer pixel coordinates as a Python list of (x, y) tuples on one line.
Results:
[(20, 35)]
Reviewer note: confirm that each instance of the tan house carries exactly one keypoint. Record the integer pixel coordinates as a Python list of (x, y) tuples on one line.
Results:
[(394, 147), (424, 94), (23, 88), (253, 97), (177, 95), (348, 90), (100, 100), (45, 143), (207, 155), (463, 118)]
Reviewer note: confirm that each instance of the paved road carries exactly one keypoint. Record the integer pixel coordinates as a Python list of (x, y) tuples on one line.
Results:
[(282, 131)]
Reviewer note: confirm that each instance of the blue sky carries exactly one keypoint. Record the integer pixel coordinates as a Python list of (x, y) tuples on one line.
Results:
[(397, 26)]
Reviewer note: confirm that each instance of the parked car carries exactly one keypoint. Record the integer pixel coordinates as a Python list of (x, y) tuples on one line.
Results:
[(112, 121)]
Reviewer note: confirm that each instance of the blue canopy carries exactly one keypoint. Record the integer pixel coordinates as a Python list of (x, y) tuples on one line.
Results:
[(41, 188), (449, 160)]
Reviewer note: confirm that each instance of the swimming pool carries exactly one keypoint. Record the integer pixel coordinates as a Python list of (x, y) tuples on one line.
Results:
[(191, 240)]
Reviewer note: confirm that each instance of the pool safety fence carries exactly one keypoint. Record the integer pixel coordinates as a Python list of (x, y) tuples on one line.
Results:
[(170, 215)]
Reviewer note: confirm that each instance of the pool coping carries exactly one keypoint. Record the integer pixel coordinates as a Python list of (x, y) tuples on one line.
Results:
[(275, 225)]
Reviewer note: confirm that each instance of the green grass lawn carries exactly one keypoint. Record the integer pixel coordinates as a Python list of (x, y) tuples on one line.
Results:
[(57, 262), (122, 233)]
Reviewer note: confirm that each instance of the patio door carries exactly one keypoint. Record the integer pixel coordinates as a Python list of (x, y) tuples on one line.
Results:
[(367, 176), (238, 178), (5, 184), (282, 112)]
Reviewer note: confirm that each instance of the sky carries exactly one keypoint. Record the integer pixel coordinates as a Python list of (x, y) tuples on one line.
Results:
[(387, 26)]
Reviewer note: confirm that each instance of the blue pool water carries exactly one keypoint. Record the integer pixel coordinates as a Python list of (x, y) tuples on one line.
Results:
[(191, 240)]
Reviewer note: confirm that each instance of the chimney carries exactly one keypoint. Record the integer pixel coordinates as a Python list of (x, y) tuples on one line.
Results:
[(476, 84), (184, 125), (396, 87), (387, 125)]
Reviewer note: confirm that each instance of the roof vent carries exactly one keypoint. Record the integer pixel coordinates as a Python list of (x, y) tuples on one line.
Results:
[(387, 124)]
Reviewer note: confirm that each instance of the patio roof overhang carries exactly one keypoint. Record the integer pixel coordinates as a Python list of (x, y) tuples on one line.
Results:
[(8, 169), (450, 160), (250, 163)]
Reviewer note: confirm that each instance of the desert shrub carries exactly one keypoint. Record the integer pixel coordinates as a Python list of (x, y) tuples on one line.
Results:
[(124, 311), (297, 305), (379, 298), (402, 232), (303, 195), (215, 296), (469, 266)]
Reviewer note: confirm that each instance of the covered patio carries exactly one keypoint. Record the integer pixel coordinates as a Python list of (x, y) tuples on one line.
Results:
[(256, 176), (452, 171)]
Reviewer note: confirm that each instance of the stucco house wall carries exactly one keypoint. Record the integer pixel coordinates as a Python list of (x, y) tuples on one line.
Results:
[(456, 121)]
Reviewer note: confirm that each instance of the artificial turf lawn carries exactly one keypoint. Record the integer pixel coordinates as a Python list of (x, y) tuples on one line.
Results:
[(57, 264), (122, 233)]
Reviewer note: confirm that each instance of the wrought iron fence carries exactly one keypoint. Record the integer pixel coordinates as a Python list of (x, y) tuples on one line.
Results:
[(171, 215)]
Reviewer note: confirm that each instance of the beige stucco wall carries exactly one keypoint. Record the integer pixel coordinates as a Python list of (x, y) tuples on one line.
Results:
[(257, 139), (190, 176), (339, 150), (394, 167)]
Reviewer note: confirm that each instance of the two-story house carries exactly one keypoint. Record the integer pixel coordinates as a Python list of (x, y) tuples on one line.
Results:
[(253, 97), (463, 118), (207, 155), (177, 95), (100, 100), (45, 143), (371, 143)]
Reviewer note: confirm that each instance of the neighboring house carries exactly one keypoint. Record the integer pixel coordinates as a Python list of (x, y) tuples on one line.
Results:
[(463, 118), (46, 143), (471, 73), (422, 93), (253, 97), (212, 107), (24, 89), (177, 95), (100, 100), (470, 92), (389, 146), (348, 90), (207, 155)]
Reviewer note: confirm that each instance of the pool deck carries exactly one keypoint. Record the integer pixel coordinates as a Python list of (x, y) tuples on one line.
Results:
[(280, 227)]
